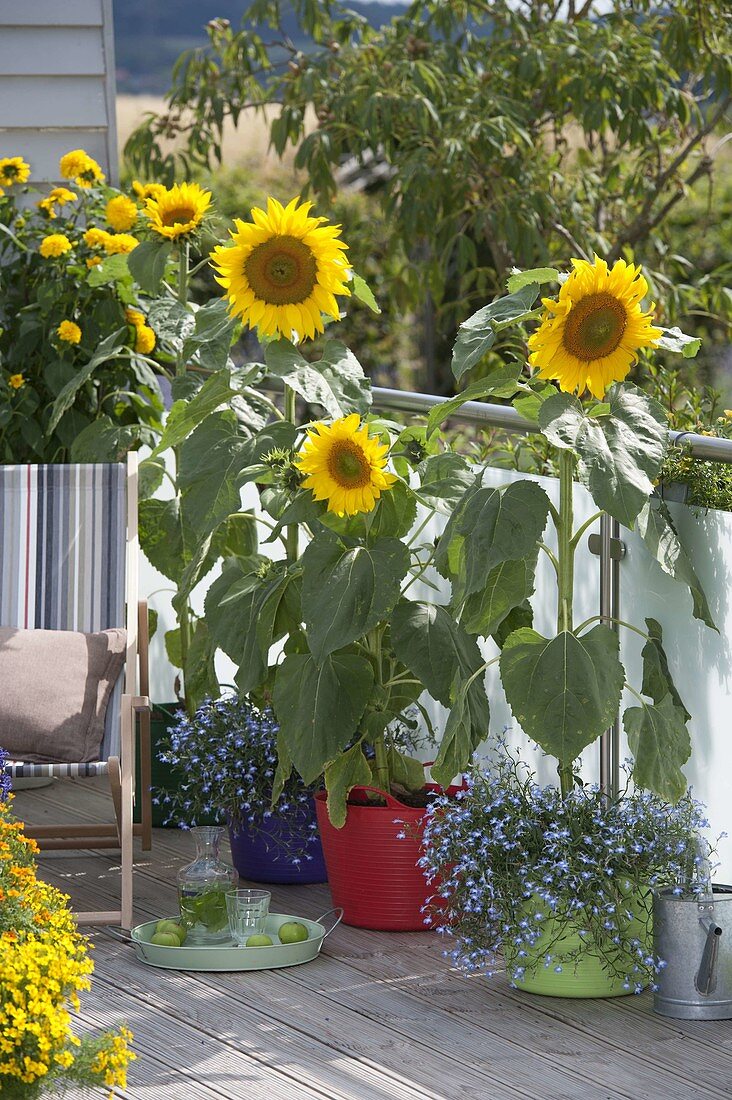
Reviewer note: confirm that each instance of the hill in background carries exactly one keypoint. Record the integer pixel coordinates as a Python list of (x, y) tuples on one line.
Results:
[(151, 34)]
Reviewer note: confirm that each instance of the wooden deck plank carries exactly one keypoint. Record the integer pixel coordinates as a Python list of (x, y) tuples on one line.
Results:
[(382, 1016)]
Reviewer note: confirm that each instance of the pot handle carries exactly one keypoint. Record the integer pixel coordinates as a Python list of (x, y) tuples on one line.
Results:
[(706, 978), (388, 798), (339, 911)]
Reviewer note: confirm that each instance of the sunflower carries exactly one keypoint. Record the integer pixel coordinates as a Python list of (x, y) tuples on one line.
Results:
[(344, 465), (121, 213), (144, 335), (80, 167), (284, 270), (13, 170), (177, 211), (69, 332), (591, 335), (55, 244)]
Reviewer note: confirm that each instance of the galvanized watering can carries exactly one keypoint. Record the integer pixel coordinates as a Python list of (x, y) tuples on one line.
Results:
[(694, 936)]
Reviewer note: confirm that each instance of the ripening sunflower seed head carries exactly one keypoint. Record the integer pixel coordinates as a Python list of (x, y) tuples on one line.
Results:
[(283, 270), (345, 466), (591, 335)]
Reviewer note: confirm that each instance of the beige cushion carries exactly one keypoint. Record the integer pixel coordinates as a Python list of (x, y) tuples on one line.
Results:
[(54, 690)]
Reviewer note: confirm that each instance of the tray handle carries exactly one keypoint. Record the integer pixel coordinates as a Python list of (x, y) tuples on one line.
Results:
[(336, 909)]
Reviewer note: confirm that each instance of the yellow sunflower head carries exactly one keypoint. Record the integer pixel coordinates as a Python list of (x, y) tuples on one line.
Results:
[(591, 335), (344, 465), (283, 270), (178, 211), (13, 170)]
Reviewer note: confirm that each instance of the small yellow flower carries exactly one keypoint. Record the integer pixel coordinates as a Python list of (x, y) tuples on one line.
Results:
[(16, 381), (179, 211), (148, 190), (13, 170), (55, 245), (69, 332), (144, 339), (117, 244), (728, 413), (59, 196), (80, 167), (93, 261), (121, 213), (96, 238)]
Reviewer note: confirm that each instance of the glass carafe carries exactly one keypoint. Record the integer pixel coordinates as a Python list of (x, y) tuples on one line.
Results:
[(202, 887)]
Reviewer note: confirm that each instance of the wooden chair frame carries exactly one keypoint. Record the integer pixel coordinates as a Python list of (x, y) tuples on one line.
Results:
[(135, 702)]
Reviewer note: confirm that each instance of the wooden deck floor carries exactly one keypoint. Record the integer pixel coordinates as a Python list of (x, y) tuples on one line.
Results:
[(379, 1016)]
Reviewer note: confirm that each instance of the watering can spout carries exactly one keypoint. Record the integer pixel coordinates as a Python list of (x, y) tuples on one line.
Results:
[(706, 978)]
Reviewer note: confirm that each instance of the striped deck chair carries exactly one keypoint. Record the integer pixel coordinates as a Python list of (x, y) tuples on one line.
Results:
[(69, 561)]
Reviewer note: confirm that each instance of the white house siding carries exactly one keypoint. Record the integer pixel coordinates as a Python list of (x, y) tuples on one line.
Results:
[(57, 83)]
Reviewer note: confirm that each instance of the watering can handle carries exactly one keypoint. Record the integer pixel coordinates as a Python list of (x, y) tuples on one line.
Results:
[(706, 978)]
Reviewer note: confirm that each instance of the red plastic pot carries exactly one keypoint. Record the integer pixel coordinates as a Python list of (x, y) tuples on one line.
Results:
[(373, 875)]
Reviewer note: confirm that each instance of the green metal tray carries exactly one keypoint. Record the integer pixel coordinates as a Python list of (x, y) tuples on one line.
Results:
[(227, 956)]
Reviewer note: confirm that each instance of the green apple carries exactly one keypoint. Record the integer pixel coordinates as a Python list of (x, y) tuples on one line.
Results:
[(174, 927), (259, 940), (292, 932), (165, 939)]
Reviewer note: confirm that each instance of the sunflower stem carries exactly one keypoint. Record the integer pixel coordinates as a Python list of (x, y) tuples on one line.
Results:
[(565, 573), (292, 539), (184, 617)]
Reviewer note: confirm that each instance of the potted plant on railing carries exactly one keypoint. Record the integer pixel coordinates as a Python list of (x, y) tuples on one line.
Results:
[(226, 760), (565, 690)]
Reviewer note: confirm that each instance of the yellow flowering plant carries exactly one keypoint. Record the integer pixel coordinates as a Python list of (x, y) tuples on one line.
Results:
[(76, 381), (44, 966)]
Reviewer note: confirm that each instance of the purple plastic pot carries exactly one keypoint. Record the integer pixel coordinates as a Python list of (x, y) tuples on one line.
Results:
[(265, 854)]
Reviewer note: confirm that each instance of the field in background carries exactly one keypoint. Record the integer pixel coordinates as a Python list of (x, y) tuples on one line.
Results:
[(245, 146)]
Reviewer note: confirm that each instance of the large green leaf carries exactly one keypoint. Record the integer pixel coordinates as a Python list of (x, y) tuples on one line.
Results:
[(185, 415), (108, 349), (241, 612), (319, 708), (161, 537), (395, 513), (147, 264), (104, 441), (508, 585), (564, 691), (361, 290), (519, 279), (501, 381), (478, 334), (349, 769), (674, 339), (172, 323), (336, 381), (466, 726), (657, 530), (660, 743), (620, 449), (488, 527), (199, 673), (426, 638), (347, 590), (657, 680), (209, 343), (444, 478)]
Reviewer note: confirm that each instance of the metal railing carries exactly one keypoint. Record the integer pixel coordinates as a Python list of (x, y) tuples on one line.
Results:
[(610, 548)]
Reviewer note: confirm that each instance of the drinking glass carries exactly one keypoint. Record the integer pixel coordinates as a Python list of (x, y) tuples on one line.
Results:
[(247, 911)]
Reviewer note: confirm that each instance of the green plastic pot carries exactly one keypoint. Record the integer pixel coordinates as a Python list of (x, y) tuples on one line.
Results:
[(584, 972)]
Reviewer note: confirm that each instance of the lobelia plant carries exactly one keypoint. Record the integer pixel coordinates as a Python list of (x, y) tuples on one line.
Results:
[(228, 754), (565, 690), (514, 864)]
